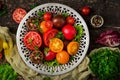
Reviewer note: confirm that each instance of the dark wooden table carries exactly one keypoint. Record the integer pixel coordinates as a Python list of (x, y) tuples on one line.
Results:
[(108, 9)]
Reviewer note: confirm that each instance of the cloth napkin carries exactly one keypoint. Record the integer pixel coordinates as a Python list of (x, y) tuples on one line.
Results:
[(81, 72)]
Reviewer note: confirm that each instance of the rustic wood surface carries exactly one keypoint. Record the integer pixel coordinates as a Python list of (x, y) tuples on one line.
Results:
[(108, 9)]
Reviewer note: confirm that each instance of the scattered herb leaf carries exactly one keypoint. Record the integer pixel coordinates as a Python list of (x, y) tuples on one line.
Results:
[(36, 47), (34, 5), (37, 54), (30, 40)]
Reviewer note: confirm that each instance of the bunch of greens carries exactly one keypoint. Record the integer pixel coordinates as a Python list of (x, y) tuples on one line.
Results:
[(7, 72), (105, 63)]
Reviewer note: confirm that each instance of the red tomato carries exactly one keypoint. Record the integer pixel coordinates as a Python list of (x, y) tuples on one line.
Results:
[(1, 55), (32, 40), (49, 55), (85, 10), (47, 16), (18, 14), (36, 57), (45, 26), (48, 35), (70, 20), (69, 32)]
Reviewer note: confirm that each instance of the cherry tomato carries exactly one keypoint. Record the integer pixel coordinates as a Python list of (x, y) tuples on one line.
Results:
[(32, 23), (62, 57), (72, 48), (45, 26), (69, 32), (70, 20), (49, 55), (58, 21), (32, 40), (49, 35), (56, 45), (47, 16), (85, 10), (36, 57), (1, 55), (18, 14)]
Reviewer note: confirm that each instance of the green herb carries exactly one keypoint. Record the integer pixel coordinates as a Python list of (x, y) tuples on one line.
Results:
[(36, 22), (37, 54), (36, 47), (47, 78), (7, 72), (52, 63), (79, 29), (46, 49), (105, 64), (65, 15), (3, 11), (34, 5), (71, 58), (30, 40), (60, 35), (41, 13)]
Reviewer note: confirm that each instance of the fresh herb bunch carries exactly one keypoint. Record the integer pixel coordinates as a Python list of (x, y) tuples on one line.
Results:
[(7, 72), (105, 63)]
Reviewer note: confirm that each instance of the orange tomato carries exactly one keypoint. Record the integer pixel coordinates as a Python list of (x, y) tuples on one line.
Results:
[(45, 26), (56, 45), (72, 48), (62, 57)]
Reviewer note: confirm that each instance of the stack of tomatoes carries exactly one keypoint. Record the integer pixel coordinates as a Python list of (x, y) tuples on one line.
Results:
[(51, 37)]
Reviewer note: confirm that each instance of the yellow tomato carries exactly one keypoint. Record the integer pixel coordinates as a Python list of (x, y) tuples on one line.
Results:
[(62, 57), (72, 47), (56, 45)]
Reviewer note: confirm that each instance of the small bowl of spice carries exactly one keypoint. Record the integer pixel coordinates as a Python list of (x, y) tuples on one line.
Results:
[(97, 21)]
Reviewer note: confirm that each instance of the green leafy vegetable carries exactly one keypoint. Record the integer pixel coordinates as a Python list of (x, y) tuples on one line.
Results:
[(79, 29), (51, 63), (41, 13), (105, 63), (60, 35), (7, 72), (65, 15)]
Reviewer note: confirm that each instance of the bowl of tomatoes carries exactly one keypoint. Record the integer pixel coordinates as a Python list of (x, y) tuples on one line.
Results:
[(52, 39)]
